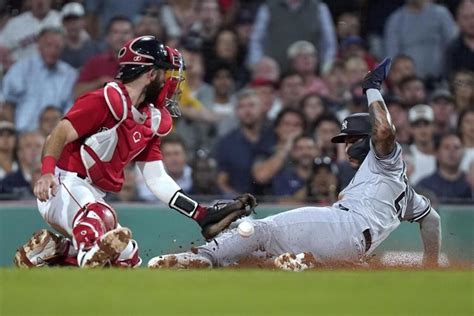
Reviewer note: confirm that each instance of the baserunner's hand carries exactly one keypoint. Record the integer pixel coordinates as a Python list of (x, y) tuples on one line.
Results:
[(43, 186)]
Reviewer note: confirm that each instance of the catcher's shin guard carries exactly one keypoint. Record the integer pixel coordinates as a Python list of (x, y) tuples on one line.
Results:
[(91, 223), (129, 257), (106, 250), (44, 248)]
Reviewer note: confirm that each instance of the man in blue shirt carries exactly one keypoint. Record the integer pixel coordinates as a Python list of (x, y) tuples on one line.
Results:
[(294, 176), (235, 151), (448, 183), (33, 83)]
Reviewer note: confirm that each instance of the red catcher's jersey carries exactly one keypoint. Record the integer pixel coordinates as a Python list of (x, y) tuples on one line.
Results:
[(111, 135)]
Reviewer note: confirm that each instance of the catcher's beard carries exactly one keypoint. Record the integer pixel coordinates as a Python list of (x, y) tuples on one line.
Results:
[(153, 90)]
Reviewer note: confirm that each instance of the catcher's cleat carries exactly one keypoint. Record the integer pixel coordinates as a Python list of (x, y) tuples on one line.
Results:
[(185, 260), (44, 248), (374, 79), (292, 262), (106, 250), (219, 216)]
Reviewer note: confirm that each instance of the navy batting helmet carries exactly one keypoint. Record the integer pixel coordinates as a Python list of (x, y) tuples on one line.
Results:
[(357, 124), (140, 55)]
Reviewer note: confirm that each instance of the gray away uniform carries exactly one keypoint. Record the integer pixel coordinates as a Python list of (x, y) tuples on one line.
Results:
[(378, 198)]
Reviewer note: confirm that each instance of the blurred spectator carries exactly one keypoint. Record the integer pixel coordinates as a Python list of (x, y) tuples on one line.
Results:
[(356, 69), (470, 178), (420, 29), (422, 150), (204, 175), (197, 119), (38, 81), (79, 47), (460, 52), (448, 183), (337, 83), (267, 93), (100, 13), (322, 187), (175, 161), (399, 116), (375, 15), (310, 21), (445, 115), (149, 24), (226, 48), (291, 93), (48, 119), (19, 36), (266, 68), (8, 163), (298, 171), (235, 151), (243, 27), (355, 46), (28, 152), (402, 67), (323, 130), (289, 124), (412, 91), (129, 191), (103, 67), (209, 20), (312, 107), (466, 132), (177, 17), (208, 23), (303, 59), (356, 104), (223, 103), (348, 24), (463, 89)]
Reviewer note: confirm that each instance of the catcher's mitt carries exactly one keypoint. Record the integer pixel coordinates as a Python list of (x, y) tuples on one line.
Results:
[(221, 215)]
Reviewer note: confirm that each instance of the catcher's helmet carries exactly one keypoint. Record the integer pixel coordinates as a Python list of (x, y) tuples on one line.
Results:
[(140, 55), (357, 124)]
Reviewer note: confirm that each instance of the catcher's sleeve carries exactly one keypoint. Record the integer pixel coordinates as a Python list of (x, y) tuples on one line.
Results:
[(157, 180)]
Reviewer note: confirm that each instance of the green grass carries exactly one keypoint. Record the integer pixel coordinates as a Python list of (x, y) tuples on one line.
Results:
[(234, 292)]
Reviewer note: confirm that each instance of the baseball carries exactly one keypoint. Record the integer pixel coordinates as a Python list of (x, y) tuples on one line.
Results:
[(245, 229)]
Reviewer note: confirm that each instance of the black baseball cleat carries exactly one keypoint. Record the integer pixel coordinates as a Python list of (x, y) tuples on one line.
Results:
[(374, 79)]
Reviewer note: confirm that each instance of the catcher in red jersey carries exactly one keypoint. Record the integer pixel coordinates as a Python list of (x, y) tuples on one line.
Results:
[(85, 155)]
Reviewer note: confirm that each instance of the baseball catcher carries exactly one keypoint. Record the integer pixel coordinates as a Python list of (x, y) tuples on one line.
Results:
[(86, 154), (374, 203)]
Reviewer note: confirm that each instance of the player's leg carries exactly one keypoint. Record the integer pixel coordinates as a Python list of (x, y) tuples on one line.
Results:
[(225, 249), (329, 233), (78, 211)]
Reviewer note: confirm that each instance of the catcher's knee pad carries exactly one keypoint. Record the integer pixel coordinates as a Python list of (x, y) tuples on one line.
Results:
[(44, 248), (129, 257), (91, 222)]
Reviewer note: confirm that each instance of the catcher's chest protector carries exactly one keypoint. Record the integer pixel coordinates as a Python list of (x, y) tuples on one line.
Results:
[(106, 153)]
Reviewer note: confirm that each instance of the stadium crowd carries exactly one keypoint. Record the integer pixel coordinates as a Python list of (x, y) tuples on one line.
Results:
[(267, 85)]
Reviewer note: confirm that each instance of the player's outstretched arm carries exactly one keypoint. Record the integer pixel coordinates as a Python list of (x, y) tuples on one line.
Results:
[(212, 219), (430, 229), (62, 134), (383, 131)]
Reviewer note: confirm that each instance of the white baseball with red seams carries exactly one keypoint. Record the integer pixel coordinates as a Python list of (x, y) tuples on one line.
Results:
[(246, 229)]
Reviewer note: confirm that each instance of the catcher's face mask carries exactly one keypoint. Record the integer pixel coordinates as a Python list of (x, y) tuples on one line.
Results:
[(174, 76)]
